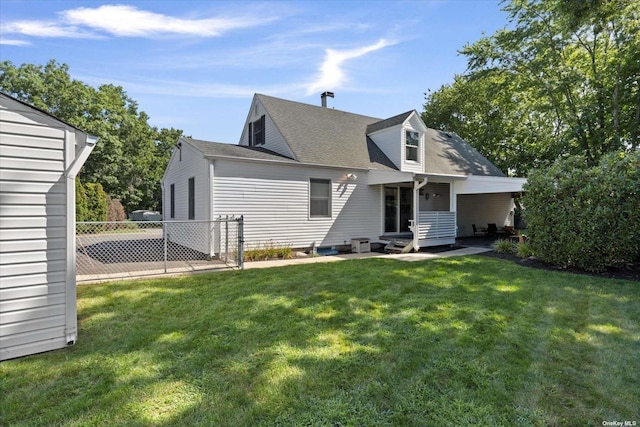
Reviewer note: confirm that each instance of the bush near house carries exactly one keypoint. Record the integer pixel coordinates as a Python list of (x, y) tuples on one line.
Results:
[(269, 250), (585, 216)]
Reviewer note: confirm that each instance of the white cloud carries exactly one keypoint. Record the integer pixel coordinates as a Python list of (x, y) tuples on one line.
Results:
[(128, 21), (122, 20), (13, 42), (44, 29), (332, 75)]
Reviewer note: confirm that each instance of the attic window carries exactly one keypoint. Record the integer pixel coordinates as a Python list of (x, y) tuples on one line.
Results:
[(256, 132), (412, 143)]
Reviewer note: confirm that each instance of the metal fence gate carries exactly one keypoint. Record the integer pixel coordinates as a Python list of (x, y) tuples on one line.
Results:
[(110, 250)]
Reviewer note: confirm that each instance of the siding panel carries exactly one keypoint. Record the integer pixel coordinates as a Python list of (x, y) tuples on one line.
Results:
[(34, 315), (275, 204)]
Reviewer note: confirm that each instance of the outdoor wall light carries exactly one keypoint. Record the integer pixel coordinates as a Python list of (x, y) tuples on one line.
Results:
[(352, 176)]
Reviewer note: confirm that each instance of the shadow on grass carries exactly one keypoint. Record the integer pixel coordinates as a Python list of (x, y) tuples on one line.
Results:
[(364, 342)]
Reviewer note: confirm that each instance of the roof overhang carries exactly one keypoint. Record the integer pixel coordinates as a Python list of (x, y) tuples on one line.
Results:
[(377, 177), (476, 184)]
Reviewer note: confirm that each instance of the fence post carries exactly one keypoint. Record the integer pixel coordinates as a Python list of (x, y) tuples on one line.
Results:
[(166, 237), (226, 239), (241, 242)]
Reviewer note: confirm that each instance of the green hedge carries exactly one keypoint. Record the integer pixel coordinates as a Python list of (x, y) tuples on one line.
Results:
[(587, 217), (92, 202)]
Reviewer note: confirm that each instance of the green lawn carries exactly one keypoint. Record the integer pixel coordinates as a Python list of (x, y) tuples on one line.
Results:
[(456, 341)]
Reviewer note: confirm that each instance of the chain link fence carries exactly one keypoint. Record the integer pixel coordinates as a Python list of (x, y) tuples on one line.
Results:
[(109, 250)]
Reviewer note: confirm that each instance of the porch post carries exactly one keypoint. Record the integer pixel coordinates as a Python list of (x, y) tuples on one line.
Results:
[(453, 205), (417, 185)]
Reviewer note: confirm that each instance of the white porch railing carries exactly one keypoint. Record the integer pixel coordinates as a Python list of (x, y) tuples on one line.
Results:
[(436, 225)]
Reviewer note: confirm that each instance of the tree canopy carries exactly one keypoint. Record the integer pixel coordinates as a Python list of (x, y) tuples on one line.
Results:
[(563, 78), (131, 155)]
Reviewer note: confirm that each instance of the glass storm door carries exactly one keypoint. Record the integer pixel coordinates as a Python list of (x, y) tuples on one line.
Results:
[(398, 203)]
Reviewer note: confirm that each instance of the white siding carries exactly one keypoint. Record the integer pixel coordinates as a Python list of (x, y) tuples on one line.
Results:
[(274, 200), (438, 197), (483, 209), (273, 140), (34, 292), (191, 165), (389, 141), (187, 162)]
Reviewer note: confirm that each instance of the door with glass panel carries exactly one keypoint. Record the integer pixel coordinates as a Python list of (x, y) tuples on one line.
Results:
[(398, 209)]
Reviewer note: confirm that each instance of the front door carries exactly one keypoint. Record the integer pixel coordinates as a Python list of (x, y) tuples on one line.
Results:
[(398, 204)]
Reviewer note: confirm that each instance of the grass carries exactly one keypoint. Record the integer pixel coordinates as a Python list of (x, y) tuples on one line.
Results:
[(375, 342)]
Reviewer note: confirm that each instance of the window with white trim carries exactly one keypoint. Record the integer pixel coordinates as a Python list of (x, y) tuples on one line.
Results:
[(192, 198), (412, 145), (256, 132), (319, 198)]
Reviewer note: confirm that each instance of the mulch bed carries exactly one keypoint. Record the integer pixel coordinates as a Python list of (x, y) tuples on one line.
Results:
[(631, 273)]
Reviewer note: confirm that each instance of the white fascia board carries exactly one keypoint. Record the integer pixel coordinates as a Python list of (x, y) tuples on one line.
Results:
[(377, 177), (476, 184)]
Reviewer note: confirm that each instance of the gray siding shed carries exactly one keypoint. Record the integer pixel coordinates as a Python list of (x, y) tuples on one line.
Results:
[(40, 157)]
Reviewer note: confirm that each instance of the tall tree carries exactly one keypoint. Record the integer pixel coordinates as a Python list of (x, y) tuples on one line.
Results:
[(563, 78), (129, 159)]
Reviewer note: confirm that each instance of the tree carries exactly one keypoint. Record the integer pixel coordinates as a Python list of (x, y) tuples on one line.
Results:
[(563, 79), (131, 155)]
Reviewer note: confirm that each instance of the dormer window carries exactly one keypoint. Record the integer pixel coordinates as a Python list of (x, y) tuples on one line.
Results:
[(256, 132), (412, 144)]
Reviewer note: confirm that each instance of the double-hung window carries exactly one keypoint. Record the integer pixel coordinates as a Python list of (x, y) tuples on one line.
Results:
[(192, 198), (412, 145), (319, 198), (256, 132)]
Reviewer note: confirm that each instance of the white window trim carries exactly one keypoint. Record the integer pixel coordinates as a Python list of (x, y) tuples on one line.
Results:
[(405, 146), (316, 217)]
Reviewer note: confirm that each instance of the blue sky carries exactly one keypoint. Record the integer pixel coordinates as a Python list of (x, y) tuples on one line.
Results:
[(195, 65)]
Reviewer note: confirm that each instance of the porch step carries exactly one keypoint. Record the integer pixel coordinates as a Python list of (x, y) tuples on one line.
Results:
[(401, 246)]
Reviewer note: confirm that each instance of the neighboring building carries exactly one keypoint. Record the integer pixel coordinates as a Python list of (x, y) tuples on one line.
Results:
[(305, 174), (39, 159)]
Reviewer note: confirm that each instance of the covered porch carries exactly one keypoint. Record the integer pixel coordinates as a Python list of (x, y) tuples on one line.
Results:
[(419, 210), (422, 210)]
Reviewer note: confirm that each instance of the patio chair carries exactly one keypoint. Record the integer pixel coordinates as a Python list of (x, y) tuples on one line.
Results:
[(492, 230), (479, 231)]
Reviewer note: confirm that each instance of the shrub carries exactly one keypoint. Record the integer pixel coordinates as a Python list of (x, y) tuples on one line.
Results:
[(524, 250), (582, 216), (97, 202), (269, 250), (82, 209), (503, 246), (115, 211)]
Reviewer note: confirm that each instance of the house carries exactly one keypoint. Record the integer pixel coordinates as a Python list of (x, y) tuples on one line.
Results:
[(305, 174), (39, 159)]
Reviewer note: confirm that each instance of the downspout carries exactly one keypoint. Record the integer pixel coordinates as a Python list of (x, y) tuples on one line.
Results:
[(70, 174), (415, 228)]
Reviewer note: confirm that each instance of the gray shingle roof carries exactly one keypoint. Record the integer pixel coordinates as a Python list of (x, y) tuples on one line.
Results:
[(209, 148), (325, 136), (387, 123), (447, 153)]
